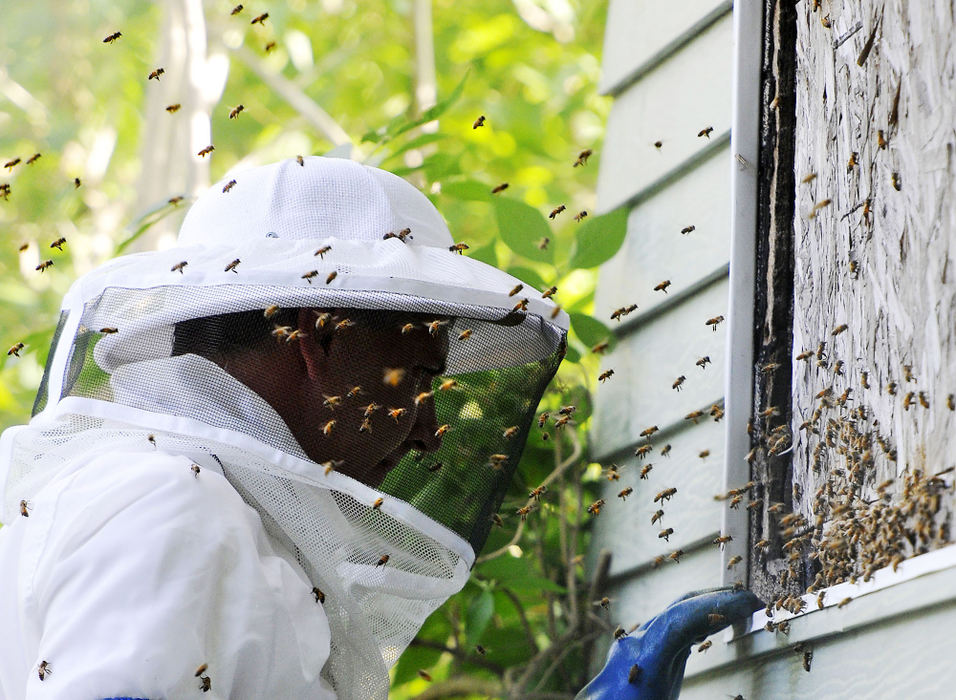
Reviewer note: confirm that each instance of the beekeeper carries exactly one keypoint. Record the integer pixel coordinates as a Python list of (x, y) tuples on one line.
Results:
[(260, 459)]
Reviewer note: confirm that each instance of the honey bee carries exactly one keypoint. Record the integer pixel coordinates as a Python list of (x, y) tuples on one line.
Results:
[(322, 251), (658, 145), (543, 243), (525, 511), (580, 216), (568, 410), (480, 121), (236, 10), (733, 561), (24, 507), (397, 413), (496, 519), (44, 265), (480, 649), (300, 160), (721, 540), (706, 131), (109, 40), (549, 292), (272, 310), (908, 401), (665, 450), (424, 675), (604, 376), (838, 368), (923, 399), (377, 504), (562, 421), (839, 329), (5, 193), (694, 416), (318, 594), (422, 397), (517, 288), (704, 454), (643, 451), (755, 505), (665, 495), (175, 200), (328, 427), (702, 362), (662, 286), (810, 177), (617, 314), (500, 188), (601, 347), (612, 473), (155, 74), (762, 544), (206, 151), (383, 560), (109, 330), (676, 555), (434, 326), (521, 305), (33, 159), (458, 248), (865, 380), (896, 180), (624, 493), (557, 210), (881, 139), (228, 186), (891, 388), (15, 349), (714, 322), (447, 385), (951, 402), (543, 418), (172, 109), (647, 432), (634, 675), (665, 534), (195, 470), (261, 19), (44, 669), (595, 508), (645, 470), (678, 382), (851, 163), (537, 492), (331, 465), (332, 276), (331, 401), (844, 602), (583, 157), (268, 47)]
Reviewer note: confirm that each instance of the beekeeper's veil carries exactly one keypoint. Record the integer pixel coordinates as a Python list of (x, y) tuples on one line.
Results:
[(314, 338)]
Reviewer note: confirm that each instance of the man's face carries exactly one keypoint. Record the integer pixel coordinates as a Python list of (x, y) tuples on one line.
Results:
[(386, 368)]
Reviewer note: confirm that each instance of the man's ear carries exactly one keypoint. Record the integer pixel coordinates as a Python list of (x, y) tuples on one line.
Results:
[(312, 353)]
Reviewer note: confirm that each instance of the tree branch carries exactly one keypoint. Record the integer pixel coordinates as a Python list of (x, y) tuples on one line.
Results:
[(513, 597)]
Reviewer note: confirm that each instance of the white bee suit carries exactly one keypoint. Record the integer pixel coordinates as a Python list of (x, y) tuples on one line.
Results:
[(173, 520)]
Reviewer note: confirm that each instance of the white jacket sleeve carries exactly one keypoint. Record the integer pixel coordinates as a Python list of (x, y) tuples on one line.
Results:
[(132, 571)]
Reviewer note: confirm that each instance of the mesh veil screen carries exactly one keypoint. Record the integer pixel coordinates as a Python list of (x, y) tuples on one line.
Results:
[(427, 402)]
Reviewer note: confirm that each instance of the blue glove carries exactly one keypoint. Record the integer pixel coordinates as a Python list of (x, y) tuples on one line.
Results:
[(650, 663)]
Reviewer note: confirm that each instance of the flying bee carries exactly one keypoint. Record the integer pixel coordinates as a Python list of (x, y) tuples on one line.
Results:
[(838, 368), (580, 216), (634, 675), (331, 466), (721, 540), (397, 413), (195, 469), (328, 427), (5, 193), (332, 276), (332, 401), (645, 470), (109, 40), (15, 349), (665, 495), (517, 288), (851, 163), (300, 160), (537, 492), (500, 188), (525, 511), (433, 326), (24, 507), (447, 385), (694, 416), (322, 251), (228, 186), (951, 402), (497, 461), (232, 266), (44, 669), (604, 376), (383, 560), (236, 10), (510, 432), (624, 493), (44, 265), (206, 151), (155, 74), (33, 159), (676, 555), (109, 330), (318, 594), (658, 145), (521, 305), (839, 329), (601, 347), (268, 47), (321, 320), (702, 362), (459, 248), (908, 401), (424, 396), (377, 504), (865, 380), (844, 602), (688, 229), (172, 200), (583, 157), (366, 426), (612, 473), (923, 399), (549, 292), (908, 373), (595, 508), (678, 382), (643, 451), (480, 649), (496, 519), (294, 335), (657, 516), (891, 388), (665, 534), (172, 109), (665, 450), (704, 454), (543, 243), (393, 376), (662, 286), (706, 131), (557, 210), (480, 121), (880, 139), (733, 561), (714, 322), (261, 19), (308, 276), (562, 421), (618, 313), (424, 675)]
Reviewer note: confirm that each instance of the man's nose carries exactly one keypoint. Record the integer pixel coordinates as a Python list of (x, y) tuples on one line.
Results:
[(422, 436)]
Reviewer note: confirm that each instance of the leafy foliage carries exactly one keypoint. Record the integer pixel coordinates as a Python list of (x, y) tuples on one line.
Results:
[(83, 105)]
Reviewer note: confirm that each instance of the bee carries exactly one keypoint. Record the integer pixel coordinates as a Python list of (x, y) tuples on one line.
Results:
[(721, 540), (865, 380), (951, 402), (838, 368), (496, 519), (839, 329), (397, 413), (897, 181), (332, 401), (331, 465), (155, 74), (665, 495), (261, 19), (543, 243), (268, 47), (891, 388), (206, 151), (422, 397), (716, 619), (755, 505), (705, 646), (447, 385), (377, 504), (318, 594), (537, 492), (44, 670), (510, 432), (549, 292), (643, 451), (604, 376), (704, 454), (109, 40), (706, 131), (328, 427), (645, 470), (678, 382), (605, 603), (612, 473), (33, 159), (44, 265), (601, 347), (733, 561), (694, 416), (517, 288), (383, 560), (201, 670), (424, 675), (595, 508), (555, 311), (908, 401), (525, 511), (762, 544), (175, 200), (480, 121), (844, 602), (702, 362), (805, 355), (5, 193), (714, 322), (923, 399), (807, 660), (332, 276), (401, 235), (500, 188), (851, 163), (634, 675), (624, 493), (823, 203), (854, 268), (617, 314), (172, 109), (583, 157), (343, 324), (676, 555), (881, 139), (272, 310), (15, 349), (435, 467), (300, 160), (458, 248), (228, 186), (665, 534), (109, 330), (562, 421), (658, 145), (908, 373), (665, 450), (688, 229), (662, 286), (480, 649), (24, 507), (557, 210), (657, 516), (433, 326), (308, 276), (236, 10), (647, 432), (716, 412), (581, 215), (322, 251)]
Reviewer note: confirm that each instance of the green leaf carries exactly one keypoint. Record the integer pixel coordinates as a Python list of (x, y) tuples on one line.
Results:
[(400, 124), (146, 221), (599, 238), (417, 142), (522, 227), (468, 190), (486, 254), (478, 616), (590, 331), (516, 574)]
